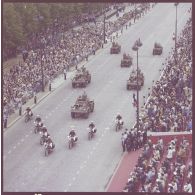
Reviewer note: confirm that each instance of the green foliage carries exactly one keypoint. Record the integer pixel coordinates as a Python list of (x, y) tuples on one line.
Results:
[(21, 20)]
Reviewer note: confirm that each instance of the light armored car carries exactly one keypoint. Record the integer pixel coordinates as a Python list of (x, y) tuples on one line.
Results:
[(126, 61), (82, 108), (132, 81), (81, 79), (115, 49), (157, 49)]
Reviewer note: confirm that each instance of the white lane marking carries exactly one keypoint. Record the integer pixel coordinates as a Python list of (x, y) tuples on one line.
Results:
[(107, 128), (73, 178), (69, 184), (77, 172), (9, 152)]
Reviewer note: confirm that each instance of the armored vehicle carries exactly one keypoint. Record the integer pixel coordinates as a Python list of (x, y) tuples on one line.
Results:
[(82, 108)]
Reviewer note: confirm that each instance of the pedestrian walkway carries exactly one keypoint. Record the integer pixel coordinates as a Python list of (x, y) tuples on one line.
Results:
[(121, 175)]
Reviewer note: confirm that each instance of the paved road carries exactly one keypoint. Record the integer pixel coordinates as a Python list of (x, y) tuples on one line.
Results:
[(90, 164)]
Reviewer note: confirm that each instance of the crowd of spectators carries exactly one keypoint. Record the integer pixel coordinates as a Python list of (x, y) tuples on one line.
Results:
[(56, 49), (160, 167), (156, 171), (133, 140), (169, 107)]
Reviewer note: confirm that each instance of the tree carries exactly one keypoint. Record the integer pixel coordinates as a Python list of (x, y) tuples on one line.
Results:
[(12, 30)]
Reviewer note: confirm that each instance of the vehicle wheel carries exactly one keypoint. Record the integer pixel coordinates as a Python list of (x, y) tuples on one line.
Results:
[(41, 141), (72, 115), (26, 119), (92, 108), (89, 136), (69, 144), (117, 128), (46, 152), (86, 115)]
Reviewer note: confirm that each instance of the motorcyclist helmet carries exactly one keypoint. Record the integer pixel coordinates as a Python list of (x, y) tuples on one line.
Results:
[(44, 128)]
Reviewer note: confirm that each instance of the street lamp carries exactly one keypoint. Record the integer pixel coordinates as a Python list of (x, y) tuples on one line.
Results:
[(104, 28), (136, 46), (42, 45), (176, 4)]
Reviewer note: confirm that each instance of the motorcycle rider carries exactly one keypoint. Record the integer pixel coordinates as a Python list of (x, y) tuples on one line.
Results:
[(92, 127), (28, 112), (73, 136), (50, 144), (45, 134), (38, 122), (119, 119)]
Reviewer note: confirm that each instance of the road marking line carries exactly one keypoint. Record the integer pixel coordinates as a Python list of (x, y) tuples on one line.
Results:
[(69, 184), (73, 178), (77, 172)]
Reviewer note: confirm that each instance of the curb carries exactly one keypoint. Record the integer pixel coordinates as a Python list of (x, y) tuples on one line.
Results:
[(115, 171), (19, 117)]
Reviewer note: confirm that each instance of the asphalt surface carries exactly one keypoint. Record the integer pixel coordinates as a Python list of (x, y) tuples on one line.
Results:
[(89, 165)]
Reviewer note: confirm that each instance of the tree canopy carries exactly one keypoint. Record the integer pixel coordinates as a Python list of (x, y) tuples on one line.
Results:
[(21, 20)]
